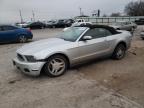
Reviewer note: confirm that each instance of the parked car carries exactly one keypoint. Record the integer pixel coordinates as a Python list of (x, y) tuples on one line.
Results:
[(79, 22), (140, 21), (59, 24), (142, 35), (73, 46), (124, 25), (50, 24), (22, 25), (10, 33), (68, 22), (36, 25)]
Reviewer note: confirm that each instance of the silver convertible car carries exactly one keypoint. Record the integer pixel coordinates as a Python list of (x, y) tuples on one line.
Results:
[(73, 46)]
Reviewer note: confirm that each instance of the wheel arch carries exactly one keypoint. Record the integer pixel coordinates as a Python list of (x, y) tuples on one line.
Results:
[(20, 34), (122, 42), (62, 54)]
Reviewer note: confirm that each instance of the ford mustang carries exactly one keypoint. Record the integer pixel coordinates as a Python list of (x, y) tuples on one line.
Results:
[(73, 46)]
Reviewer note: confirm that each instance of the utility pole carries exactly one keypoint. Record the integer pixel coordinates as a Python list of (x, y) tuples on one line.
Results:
[(140, 8), (33, 14), (98, 13), (21, 16), (80, 11)]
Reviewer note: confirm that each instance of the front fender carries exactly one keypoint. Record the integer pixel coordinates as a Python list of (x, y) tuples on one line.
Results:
[(46, 55)]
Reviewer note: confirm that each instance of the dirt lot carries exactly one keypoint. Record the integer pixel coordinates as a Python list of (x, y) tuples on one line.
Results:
[(93, 85)]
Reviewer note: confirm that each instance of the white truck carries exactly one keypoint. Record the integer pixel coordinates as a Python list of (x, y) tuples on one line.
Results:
[(79, 22)]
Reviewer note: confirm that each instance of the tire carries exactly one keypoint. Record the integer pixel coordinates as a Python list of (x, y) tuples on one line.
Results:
[(56, 66), (22, 39), (42, 27), (119, 52)]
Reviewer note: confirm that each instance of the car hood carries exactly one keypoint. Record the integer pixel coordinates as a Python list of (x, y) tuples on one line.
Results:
[(42, 46)]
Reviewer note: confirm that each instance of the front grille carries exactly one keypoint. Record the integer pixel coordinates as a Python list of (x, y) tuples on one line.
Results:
[(20, 57)]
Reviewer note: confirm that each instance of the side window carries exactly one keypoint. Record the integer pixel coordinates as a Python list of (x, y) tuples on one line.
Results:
[(5, 28), (0, 28), (33, 24), (91, 32), (107, 32), (98, 33), (39, 23)]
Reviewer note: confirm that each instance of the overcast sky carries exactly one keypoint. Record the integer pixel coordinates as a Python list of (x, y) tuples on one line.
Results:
[(54, 9)]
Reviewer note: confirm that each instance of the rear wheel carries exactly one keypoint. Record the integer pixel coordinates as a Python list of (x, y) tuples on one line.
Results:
[(22, 39), (119, 52), (56, 66)]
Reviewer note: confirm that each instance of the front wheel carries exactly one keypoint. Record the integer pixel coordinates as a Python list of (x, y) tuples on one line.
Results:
[(56, 66), (119, 52), (132, 29)]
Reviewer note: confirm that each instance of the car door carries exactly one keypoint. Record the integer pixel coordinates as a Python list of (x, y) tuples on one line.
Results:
[(7, 34), (96, 47)]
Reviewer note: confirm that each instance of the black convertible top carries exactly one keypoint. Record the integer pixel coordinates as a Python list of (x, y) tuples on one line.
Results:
[(111, 29)]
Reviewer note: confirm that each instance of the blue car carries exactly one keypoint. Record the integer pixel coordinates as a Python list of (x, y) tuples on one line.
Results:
[(10, 33)]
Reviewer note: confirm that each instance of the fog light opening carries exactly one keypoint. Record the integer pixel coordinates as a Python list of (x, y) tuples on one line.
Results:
[(26, 70)]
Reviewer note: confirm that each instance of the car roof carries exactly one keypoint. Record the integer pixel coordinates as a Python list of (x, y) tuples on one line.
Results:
[(7, 25), (111, 29)]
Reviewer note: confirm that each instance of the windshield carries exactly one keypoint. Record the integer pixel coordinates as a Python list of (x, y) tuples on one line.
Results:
[(72, 33)]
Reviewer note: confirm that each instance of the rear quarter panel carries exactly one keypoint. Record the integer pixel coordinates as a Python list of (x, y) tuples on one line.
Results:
[(114, 40), (25, 32)]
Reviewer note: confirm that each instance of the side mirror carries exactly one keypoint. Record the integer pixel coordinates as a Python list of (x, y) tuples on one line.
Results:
[(87, 38)]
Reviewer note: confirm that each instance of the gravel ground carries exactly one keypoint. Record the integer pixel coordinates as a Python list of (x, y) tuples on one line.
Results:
[(100, 84)]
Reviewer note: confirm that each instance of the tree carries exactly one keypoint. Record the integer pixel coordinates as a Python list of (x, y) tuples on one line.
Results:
[(135, 8)]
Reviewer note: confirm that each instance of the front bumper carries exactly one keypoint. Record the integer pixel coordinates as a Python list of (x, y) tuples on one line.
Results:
[(28, 68)]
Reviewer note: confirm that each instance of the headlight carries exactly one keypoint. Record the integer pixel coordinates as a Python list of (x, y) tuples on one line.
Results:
[(30, 58)]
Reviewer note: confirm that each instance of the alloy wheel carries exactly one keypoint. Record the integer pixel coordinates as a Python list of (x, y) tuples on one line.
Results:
[(22, 39), (56, 66)]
